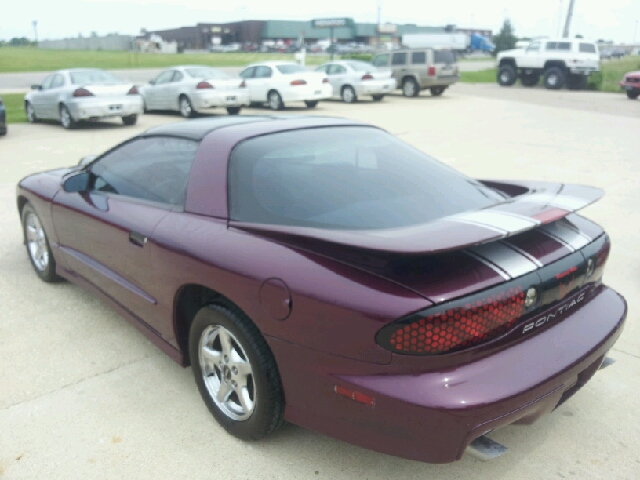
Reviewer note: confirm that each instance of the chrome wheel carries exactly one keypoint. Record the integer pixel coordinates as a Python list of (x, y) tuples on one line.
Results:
[(552, 80), (31, 113), (348, 95), (409, 88), (65, 117), (37, 242), (227, 372), (505, 77), (185, 107), (275, 102)]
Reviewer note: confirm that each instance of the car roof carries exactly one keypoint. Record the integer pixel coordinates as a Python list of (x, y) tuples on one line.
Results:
[(200, 128), (273, 63)]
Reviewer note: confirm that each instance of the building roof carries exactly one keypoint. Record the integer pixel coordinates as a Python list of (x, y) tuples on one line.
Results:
[(275, 29)]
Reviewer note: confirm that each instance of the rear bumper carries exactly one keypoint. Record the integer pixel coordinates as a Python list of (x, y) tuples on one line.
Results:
[(583, 70), (219, 98), (85, 108), (630, 86), (307, 92), (375, 87), (439, 81), (434, 415)]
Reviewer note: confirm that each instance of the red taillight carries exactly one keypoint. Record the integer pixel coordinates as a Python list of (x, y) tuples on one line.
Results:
[(133, 91), (82, 92), (432, 71), (325, 80), (353, 395), (243, 84), (466, 324), (203, 85), (367, 76), (299, 82)]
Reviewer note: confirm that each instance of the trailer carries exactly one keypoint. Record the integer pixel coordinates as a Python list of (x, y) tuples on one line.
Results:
[(458, 42)]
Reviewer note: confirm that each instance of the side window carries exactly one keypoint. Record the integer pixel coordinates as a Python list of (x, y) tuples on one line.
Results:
[(58, 81), (381, 60), (247, 72), (153, 168), (164, 77), (47, 82), (322, 68), (533, 47), (177, 76), (336, 69), (263, 72), (552, 45), (566, 46), (399, 58), (418, 58), (587, 48)]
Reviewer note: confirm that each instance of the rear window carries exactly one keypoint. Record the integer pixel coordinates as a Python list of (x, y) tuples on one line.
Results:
[(418, 58), (399, 59), (290, 68), (93, 77), (360, 66), (206, 72), (443, 56), (344, 178), (381, 60), (587, 48)]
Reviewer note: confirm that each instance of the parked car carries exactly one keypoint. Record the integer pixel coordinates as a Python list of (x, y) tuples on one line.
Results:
[(417, 69), (631, 84), (321, 271), (72, 96), (351, 79), (558, 61), (190, 89), (3, 118), (278, 83)]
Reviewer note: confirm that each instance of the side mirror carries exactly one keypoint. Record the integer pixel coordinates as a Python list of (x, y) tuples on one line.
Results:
[(36, 87), (84, 161), (78, 182)]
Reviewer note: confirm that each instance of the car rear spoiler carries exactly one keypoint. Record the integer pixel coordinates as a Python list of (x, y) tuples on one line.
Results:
[(527, 205)]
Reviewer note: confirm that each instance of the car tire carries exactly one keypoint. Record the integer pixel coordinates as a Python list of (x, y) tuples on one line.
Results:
[(37, 245), (576, 81), (437, 91), (554, 78), (185, 107), (311, 103), (377, 98), (130, 119), (275, 100), (144, 106), (348, 94), (633, 94), (233, 110), (30, 112), (66, 119), (410, 88), (530, 79), (507, 75), (229, 355)]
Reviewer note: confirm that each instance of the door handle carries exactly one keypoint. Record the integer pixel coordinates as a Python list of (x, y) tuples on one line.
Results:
[(137, 239)]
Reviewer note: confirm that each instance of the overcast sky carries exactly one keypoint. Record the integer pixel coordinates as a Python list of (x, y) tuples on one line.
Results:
[(609, 19)]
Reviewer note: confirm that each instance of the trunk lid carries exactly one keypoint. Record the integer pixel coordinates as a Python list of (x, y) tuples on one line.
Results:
[(109, 90)]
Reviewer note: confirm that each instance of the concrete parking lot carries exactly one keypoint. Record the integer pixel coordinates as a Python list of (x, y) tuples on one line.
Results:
[(84, 395)]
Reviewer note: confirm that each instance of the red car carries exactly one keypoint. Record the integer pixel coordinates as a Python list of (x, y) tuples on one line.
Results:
[(321, 271), (631, 83)]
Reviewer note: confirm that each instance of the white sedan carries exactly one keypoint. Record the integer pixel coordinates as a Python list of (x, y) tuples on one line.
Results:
[(278, 83), (190, 89), (351, 79)]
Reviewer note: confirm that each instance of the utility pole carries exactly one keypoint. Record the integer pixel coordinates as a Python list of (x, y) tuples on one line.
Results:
[(378, 25), (35, 29), (567, 23)]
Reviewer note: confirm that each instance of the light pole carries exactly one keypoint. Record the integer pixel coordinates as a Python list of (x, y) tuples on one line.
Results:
[(378, 25), (559, 20), (35, 29)]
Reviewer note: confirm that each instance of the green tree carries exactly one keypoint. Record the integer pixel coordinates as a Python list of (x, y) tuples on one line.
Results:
[(506, 39)]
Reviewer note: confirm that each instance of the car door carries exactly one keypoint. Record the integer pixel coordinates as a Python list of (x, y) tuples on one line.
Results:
[(247, 75), (38, 98), (52, 96), (531, 57), (262, 83), (337, 77), (154, 92), (399, 66), (106, 233), (174, 90)]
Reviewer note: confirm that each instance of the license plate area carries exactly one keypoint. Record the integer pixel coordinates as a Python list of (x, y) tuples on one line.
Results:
[(115, 108), (231, 99)]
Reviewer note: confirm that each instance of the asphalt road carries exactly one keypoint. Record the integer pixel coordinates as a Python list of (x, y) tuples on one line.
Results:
[(84, 395), (22, 81)]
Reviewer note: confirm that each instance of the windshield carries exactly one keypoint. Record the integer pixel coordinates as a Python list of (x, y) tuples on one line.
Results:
[(361, 66), (93, 77), (290, 68), (206, 72), (345, 178)]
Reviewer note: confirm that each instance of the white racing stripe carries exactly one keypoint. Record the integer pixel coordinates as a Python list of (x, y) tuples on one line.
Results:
[(567, 236), (505, 258), (485, 262)]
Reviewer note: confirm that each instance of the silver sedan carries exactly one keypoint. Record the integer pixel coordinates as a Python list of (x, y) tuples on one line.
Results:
[(71, 96), (194, 88), (351, 79)]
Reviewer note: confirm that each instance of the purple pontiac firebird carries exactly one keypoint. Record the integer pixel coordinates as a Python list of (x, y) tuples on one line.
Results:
[(321, 271)]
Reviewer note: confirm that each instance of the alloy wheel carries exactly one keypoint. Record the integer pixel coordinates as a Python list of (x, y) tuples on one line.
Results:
[(409, 88), (348, 95), (185, 107), (37, 242), (65, 117), (274, 101), (227, 372)]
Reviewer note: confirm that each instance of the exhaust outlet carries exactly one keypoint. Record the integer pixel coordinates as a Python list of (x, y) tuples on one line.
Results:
[(485, 449)]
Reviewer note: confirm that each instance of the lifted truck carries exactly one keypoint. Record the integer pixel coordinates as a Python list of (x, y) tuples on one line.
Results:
[(559, 62)]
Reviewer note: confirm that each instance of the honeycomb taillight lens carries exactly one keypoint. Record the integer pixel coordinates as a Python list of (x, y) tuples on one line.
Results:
[(466, 323)]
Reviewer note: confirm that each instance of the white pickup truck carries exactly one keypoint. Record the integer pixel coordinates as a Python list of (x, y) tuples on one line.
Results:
[(562, 61)]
